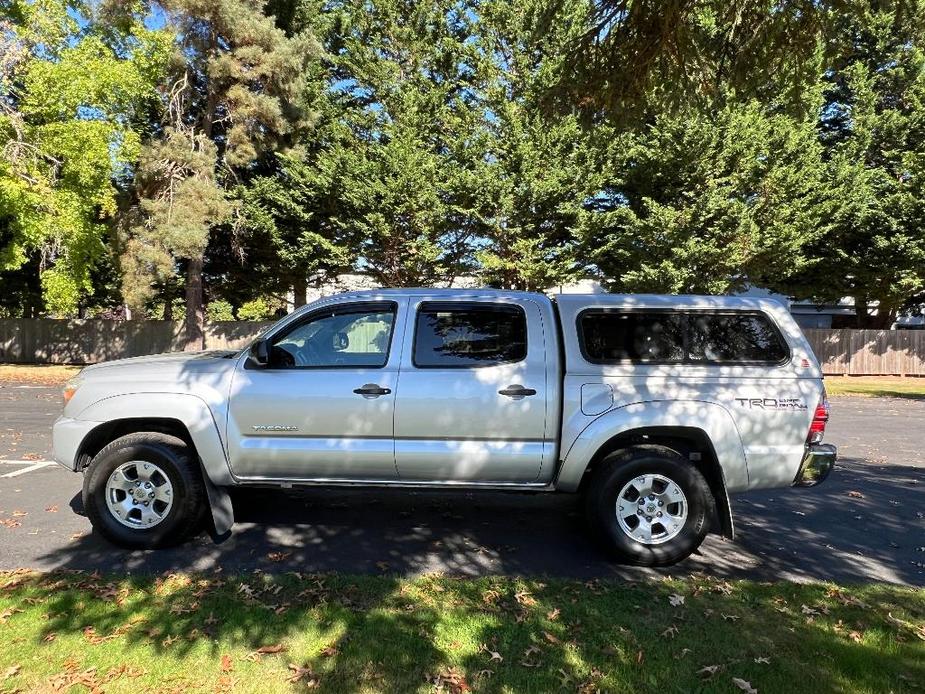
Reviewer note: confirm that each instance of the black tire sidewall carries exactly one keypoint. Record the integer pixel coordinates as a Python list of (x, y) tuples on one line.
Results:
[(618, 472), (173, 462)]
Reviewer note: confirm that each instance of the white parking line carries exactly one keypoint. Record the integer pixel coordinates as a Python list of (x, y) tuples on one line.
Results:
[(23, 462), (22, 471)]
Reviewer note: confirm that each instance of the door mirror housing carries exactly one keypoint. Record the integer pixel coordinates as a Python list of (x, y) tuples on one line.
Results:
[(260, 353)]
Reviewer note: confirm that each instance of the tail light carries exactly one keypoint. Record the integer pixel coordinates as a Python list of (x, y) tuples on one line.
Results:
[(820, 418)]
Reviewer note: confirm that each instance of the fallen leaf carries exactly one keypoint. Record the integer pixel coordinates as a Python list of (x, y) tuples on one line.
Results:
[(553, 615), (451, 679), (329, 651), (707, 671), (302, 673), (227, 665), (279, 556), (552, 638), (52, 509), (763, 661), (276, 648), (11, 671), (855, 495), (744, 686), (676, 599), (48, 638), (731, 617), (7, 613), (494, 655), (670, 632), (524, 598)]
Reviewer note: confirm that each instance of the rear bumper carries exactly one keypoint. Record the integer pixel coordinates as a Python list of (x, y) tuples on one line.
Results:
[(818, 462)]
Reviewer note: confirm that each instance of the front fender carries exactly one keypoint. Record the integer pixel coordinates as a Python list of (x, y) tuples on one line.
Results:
[(191, 410), (712, 419)]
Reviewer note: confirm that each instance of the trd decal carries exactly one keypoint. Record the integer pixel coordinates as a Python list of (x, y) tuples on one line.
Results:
[(794, 404)]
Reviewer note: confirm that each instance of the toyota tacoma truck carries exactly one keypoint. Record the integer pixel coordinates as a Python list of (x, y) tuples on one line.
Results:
[(654, 408)]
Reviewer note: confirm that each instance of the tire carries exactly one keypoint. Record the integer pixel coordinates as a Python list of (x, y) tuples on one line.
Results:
[(163, 473), (682, 522)]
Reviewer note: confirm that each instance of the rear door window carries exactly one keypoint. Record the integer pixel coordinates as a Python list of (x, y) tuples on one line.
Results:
[(468, 335), (608, 336)]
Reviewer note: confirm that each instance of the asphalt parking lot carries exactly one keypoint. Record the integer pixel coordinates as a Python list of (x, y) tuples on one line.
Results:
[(866, 523)]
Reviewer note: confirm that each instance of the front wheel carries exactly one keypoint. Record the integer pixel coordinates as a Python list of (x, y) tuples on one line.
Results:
[(144, 491), (648, 505)]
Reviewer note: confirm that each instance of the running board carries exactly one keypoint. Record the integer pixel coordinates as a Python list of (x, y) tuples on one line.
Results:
[(402, 484)]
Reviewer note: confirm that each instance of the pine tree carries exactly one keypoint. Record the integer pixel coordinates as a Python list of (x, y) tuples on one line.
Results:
[(233, 92)]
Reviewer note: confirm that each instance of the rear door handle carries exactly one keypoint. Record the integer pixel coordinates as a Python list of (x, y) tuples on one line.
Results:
[(371, 390), (516, 391)]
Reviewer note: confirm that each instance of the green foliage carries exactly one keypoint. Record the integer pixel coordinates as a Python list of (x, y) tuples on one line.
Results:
[(703, 203), (219, 310), (66, 101), (230, 96), (689, 147), (873, 130)]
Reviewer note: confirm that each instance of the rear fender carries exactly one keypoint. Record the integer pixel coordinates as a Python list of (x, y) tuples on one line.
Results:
[(712, 419)]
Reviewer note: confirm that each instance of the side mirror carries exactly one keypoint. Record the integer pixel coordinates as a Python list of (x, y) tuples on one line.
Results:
[(260, 353)]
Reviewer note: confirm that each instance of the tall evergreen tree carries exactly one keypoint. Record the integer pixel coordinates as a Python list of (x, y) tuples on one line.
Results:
[(541, 165), (232, 93), (705, 203), (873, 129), (415, 155)]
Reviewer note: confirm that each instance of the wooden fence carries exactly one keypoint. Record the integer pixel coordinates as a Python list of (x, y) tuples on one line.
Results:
[(869, 352), (46, 341)]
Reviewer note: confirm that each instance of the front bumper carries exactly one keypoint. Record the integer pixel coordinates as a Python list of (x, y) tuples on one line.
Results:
[(66, 436), (818, 462)]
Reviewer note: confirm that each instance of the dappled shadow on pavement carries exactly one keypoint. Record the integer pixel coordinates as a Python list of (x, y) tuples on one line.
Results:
[(865, 523)]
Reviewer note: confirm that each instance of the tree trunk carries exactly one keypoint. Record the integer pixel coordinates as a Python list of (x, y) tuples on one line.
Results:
[(168, 306), (860, 312), (195, 315), (299, 288)]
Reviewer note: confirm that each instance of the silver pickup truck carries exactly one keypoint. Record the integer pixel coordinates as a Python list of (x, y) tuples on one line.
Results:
[(654, 408)]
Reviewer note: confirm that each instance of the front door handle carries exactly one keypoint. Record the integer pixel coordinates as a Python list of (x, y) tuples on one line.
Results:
[(371, 390), (516, 391)]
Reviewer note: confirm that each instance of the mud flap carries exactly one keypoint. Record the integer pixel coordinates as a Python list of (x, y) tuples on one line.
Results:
[(221, 508), (724, 511)]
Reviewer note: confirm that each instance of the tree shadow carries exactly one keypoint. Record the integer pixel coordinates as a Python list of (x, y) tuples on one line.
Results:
[(864, 524), (350, 633)]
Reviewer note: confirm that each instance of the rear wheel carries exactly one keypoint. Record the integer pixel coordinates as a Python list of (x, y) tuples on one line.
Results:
[(144, 491), (648, 505)]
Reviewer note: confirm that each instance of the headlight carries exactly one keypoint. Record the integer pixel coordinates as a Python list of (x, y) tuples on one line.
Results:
[(69, 389)]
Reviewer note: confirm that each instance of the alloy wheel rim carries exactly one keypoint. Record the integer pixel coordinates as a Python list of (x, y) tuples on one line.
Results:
[(139, 494), (651, 509)]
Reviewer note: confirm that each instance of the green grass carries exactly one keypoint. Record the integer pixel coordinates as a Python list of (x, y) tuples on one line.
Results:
[(876, 386), (357, 634)]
